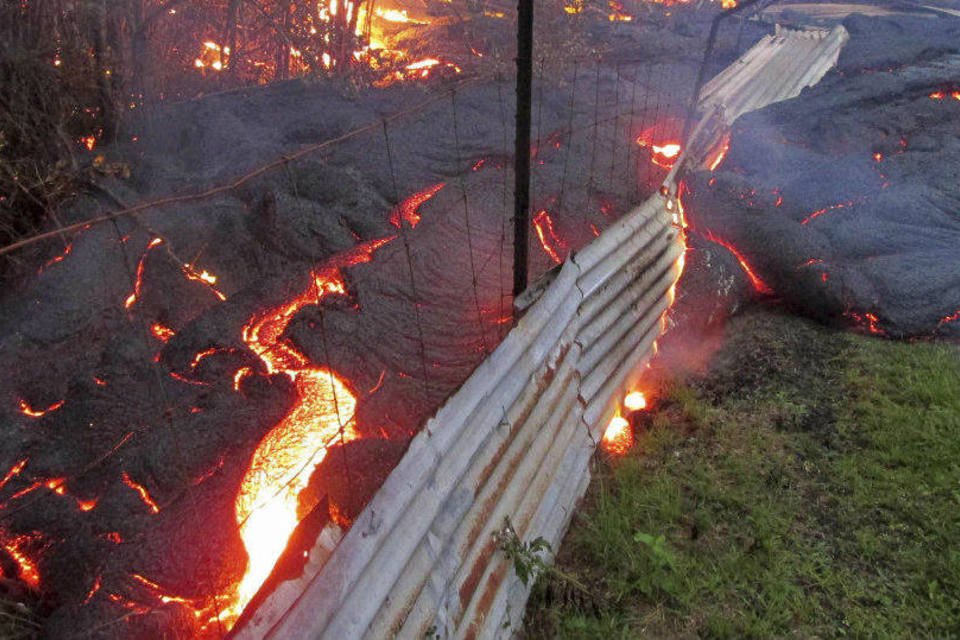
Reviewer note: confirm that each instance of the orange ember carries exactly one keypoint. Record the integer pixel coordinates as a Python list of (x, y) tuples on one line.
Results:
[(867, 321), (618, 436), (27, 410), (161, 332), (552, 243)]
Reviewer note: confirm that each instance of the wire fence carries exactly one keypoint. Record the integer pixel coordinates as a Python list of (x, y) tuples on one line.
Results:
[(209, 380)]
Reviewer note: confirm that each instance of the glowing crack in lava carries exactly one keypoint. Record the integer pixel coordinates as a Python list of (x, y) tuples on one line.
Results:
[(552, 243), (267, 506), (758, 284), (407, 211), (27, 566)]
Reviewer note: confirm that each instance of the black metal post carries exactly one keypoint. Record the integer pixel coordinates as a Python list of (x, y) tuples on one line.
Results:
[(521, 186)]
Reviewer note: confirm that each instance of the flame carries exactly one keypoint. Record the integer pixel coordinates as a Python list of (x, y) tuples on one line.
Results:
[(408, 210), (141, 491), (27, 410), (552, 243), (728, 4), (635, 401), (617, 437)]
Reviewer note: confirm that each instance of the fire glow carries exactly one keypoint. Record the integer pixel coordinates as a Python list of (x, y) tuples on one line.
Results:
[(27, 410), (663, 155), (617, 437), (267, 506), (552, 243)]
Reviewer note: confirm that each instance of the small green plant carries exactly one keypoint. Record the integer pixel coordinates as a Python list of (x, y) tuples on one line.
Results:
[(527, 557), (660, 555)]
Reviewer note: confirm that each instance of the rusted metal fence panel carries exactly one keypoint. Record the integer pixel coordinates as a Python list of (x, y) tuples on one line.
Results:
[(515, 441)]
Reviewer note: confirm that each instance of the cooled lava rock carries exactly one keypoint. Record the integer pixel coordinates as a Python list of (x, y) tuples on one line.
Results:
[(845, 200)]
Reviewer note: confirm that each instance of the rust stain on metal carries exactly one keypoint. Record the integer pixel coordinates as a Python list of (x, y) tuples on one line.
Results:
[(476, 573), (486, 600)]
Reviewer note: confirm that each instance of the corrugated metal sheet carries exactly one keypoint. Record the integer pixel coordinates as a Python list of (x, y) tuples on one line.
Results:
[(516, 440)]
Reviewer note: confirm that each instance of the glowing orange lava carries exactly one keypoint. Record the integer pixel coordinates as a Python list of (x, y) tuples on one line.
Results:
[(408, 210), (141, 491), (819, 212), (868, 321), (27, 410), (138, 283), (267, 504), (663, 155), (28, 571), (204, 277), (758, 284), (13, 472), (161, 332), (552, 243)]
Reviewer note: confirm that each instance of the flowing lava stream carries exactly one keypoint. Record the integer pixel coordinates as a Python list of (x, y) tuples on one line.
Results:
[(267, 504)]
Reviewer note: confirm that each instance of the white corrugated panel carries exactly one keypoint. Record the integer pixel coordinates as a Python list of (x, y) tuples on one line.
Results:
[(516, 440)]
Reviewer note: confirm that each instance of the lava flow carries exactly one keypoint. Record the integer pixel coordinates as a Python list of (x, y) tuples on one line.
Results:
[(552, 243), (267, 506)]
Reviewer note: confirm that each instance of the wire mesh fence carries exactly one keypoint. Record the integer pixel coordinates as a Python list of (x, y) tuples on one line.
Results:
[(222, 355)]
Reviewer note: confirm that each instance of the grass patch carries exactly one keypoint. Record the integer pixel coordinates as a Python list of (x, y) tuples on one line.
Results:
[(807, 486)]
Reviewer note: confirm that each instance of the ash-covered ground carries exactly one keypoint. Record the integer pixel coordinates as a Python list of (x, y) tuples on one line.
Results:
[(845, 200), (134, 401)]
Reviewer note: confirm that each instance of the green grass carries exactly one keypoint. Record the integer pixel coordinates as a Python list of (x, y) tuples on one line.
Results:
[(807, 486)]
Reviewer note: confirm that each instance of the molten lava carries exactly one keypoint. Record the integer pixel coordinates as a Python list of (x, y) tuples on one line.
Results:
[(138, 283), (28, 571), (267, 507), (142, 492), (27, 410), (552, 244), (819, 212), (758, 284), (408, 210), (663, 155)]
